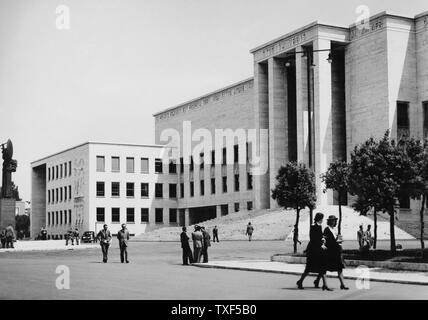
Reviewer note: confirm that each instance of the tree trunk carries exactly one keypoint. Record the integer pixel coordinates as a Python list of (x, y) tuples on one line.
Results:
[(392, 230), (339, 228), (422, 224), (375, 228), (296, 231), (311, 217)]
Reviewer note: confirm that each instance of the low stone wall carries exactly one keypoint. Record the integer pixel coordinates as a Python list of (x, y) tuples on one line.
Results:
[(394, 265)]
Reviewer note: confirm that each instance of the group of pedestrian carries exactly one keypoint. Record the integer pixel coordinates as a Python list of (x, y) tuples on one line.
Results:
[(201, 242), (365, 239), (72, 234), (7, 237), (324, 252), (104, 237)]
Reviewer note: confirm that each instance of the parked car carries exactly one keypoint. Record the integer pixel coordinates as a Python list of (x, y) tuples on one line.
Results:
[(89, 236)]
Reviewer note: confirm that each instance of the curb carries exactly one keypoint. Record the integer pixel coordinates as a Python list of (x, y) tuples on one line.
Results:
[(201, 265), (43, 250)]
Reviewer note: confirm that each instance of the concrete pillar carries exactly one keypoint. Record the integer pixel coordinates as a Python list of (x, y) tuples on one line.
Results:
[(218, 211), (261, 112), (186, 217), (323, 143), (278, 129), (302, 108)]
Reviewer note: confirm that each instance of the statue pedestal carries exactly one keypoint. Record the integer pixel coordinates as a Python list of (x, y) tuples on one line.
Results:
[(7, 212)]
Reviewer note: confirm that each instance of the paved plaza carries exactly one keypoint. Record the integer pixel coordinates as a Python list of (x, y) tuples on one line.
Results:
[(155, 272)]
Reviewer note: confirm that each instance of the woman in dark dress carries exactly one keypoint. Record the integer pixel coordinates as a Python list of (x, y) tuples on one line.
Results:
[(314, 254), (333, 256)]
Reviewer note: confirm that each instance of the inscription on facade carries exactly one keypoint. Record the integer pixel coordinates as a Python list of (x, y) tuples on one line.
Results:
[(283, 45), (375, 25), (206, 100)]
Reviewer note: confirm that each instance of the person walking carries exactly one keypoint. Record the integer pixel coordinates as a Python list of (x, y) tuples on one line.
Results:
[(314, 253), (215, 234), (363, 243), (333, 256), (250, 230), (76, 236), (70, 237), (44, 233), (206, 244), (123, 237), (187, 252), (369, 236), (10, 236), (104, 236), (198, 240)]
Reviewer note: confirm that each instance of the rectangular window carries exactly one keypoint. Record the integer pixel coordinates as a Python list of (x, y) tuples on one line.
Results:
[(144, 165), (69, 192), (100, 164), (181, 165), (49, 219), (172, 167), (144, 190), (69, 216), (202, 187), (49, 174), (172, 215), (224, 156), (130, 215), (201, 160), (115, 164), (224, 209), (249, 181), (56, 194), (425, 112), (60, 171), (61, 217), (158, 190), (60, 195), (65, 169), (115, 215), (192, 164), (145, 215), (65, 193), (181, 190), (56, 217), (172, 190), (56, 174), (69, 168), (236, 206), (235, 154), (130, 189), (213, 158), (115, 189), (250, 205), (100, 214), (100, 189), (402, 118), (158, 166), (236, 182), (192, 188), (130, 165), (212, 185), (49, 196), (224, 184), (159, 215)]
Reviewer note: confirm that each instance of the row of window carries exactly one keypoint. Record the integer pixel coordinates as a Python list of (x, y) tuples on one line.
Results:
[(131, 215), (56, 218), (59, 171), (130, 165), (403, 121), (59, 195), (145, 189)]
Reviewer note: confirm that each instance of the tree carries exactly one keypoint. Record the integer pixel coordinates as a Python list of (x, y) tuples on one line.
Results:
[(295, 189), (336, 178), (379, 172), (22, 222)]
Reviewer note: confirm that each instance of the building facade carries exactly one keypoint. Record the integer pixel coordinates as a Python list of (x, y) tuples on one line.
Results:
[(96, 183), (318, 92)]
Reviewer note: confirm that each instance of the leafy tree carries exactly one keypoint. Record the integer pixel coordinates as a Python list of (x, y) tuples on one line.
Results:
[(22, 222), (295, 189), (336, 178)]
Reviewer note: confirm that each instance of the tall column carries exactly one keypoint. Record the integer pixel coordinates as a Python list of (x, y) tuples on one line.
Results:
[(302, 108), (186, 217), (261, 105), (323, 144), (218, 211), (278, 130)]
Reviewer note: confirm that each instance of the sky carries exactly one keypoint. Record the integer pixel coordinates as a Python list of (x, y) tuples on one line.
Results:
[(123, 60)]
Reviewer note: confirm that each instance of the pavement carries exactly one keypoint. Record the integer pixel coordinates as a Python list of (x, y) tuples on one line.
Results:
[(46, 245), (372, 274)]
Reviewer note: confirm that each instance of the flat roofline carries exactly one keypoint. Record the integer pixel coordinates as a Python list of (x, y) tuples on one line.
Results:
[(421, 14), (204, 96), (99, 143)]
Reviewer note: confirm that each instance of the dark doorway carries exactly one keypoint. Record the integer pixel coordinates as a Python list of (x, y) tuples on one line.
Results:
[(200, 214)]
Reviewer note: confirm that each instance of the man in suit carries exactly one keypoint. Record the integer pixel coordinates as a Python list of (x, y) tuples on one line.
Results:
[(104, 236), (70, 237), (206, 244), (250, 230), (187, 252), (123, 237), (215, 233), (76, 235), (198, 240)]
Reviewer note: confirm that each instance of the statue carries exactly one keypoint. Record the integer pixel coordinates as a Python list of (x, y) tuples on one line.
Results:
[(9, 166)]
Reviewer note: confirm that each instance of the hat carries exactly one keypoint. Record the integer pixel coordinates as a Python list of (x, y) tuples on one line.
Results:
[(332, 218)]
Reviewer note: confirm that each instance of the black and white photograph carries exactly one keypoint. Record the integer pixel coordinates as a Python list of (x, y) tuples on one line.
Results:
[(218, 154)]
